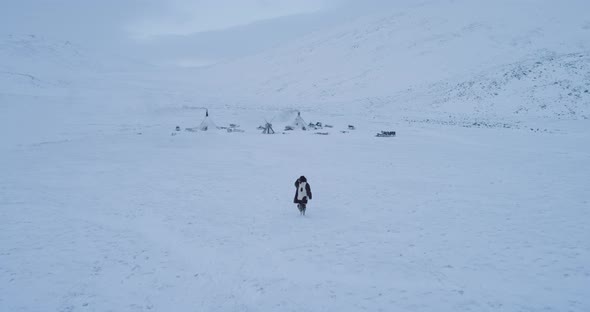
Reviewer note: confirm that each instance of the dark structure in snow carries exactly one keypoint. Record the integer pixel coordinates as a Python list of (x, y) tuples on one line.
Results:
[(232, 128), (386, 134), (267, 129)]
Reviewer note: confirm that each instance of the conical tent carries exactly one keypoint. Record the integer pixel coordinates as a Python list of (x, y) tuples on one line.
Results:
[(299, 123), (207, 123)]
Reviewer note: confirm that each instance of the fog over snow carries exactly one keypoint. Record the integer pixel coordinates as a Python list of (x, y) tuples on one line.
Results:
[(172, 32)]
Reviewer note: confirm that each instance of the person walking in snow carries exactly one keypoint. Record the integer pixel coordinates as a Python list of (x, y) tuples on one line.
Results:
[(302, 194)]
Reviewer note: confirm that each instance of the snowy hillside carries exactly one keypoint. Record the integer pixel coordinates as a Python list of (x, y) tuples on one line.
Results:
[(424, 48), (49, 85), (547, 86), (35, 64), (30, 63)]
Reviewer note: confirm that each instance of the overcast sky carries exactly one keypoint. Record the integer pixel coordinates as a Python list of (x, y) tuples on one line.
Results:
[(197, 31), (182, 17), (146, 18)]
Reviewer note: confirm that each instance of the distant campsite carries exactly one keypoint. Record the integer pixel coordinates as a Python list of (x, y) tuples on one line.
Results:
[(297, 124)]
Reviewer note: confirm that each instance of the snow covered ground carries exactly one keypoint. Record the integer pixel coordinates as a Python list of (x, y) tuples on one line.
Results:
[(124, 216)]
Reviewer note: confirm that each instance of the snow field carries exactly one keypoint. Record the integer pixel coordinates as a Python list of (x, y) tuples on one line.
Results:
[(436, 219)]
